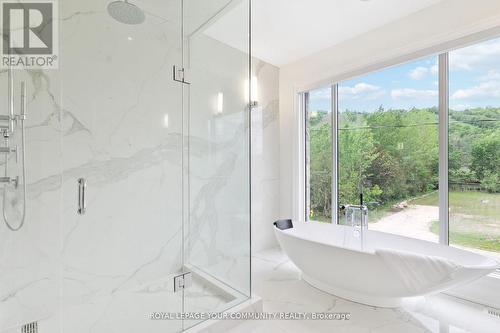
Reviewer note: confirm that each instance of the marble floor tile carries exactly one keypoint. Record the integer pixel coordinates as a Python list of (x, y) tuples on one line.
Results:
[(278, 282)]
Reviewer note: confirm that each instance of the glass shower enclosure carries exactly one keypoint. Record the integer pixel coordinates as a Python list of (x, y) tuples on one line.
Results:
[(135, 195)]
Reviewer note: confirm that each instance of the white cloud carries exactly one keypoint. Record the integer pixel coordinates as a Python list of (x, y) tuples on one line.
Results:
[(419, 73), (483, 55), (434, 69), (359, 88), (323, 93), (485, 89), (365, 90), (492, 74), (459, 107), (413, 93)]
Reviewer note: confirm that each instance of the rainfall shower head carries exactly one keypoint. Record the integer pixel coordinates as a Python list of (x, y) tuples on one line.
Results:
[(125, 12)]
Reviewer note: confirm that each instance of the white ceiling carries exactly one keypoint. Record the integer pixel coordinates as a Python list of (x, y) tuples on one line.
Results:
[(287, 30)]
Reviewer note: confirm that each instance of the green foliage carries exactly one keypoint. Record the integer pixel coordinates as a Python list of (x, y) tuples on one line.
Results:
[(485, 155), (491, 182), (357, 154), (393, 155), (320, 166), (462, 175), (388, 154), (474, 147)]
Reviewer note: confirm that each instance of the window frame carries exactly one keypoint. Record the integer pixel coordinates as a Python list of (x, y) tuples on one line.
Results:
[(307, 182), (443, 145), (480, 293)]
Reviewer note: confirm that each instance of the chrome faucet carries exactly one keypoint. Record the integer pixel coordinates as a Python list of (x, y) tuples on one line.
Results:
[(356, 216)]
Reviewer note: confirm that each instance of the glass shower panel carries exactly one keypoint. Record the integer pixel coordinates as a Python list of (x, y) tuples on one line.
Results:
[(29, 265), (121, 116), (217, 224)]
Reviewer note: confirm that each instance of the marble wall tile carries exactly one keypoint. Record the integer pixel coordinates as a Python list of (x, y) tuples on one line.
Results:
[(265, 156)]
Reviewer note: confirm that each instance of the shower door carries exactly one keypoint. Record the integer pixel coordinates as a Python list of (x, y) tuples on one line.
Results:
[(121, 124), (29, 257), (216, 109)]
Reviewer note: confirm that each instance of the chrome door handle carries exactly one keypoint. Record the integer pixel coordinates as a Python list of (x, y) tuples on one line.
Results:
[(82, 206)]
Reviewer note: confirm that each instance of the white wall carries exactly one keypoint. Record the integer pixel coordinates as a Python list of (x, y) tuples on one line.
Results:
[(432, 30), (265, 156)]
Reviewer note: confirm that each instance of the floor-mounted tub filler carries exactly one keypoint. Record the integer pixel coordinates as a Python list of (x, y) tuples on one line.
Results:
[(379, 270)]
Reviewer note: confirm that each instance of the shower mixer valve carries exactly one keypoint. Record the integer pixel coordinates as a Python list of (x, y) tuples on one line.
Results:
[(8, 150), (9, 180)]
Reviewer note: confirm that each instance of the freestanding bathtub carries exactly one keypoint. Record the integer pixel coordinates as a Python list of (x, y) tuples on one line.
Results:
[(382, 271)]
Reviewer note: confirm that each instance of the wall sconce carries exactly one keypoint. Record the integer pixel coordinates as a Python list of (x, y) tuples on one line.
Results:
[(220, 103), (254, 92), (165, 120)]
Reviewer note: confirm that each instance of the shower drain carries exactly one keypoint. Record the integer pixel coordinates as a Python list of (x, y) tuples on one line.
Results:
[(494, 312), (30, 327)]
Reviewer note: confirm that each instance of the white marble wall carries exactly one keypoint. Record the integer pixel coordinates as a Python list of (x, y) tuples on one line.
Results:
[(265, 156)]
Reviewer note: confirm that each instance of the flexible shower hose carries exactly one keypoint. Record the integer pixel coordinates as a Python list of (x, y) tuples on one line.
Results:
[(5, 218)]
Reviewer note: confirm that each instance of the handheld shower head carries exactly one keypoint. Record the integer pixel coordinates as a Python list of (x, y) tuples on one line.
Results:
[(126, 12)]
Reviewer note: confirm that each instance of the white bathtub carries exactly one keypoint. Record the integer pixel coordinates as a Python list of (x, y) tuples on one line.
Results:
[(366, 276)]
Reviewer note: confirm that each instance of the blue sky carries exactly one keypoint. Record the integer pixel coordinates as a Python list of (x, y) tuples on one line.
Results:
[(474, 82)]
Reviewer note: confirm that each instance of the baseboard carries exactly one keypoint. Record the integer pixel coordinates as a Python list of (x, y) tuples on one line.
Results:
[(253, 304)]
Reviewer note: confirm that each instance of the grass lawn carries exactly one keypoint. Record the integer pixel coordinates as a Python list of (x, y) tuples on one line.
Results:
[(470, 238), (474, 218), (469, 203)]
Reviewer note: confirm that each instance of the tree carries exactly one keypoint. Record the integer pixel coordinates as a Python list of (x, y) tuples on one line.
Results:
[(320, 166), (486, 155), (356, 154)]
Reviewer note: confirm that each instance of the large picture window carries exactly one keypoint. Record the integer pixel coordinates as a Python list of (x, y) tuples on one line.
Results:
[(386, 132), (388, 152), (474, 148)]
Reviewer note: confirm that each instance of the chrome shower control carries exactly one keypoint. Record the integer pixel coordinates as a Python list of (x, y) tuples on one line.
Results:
[(13, 121)]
